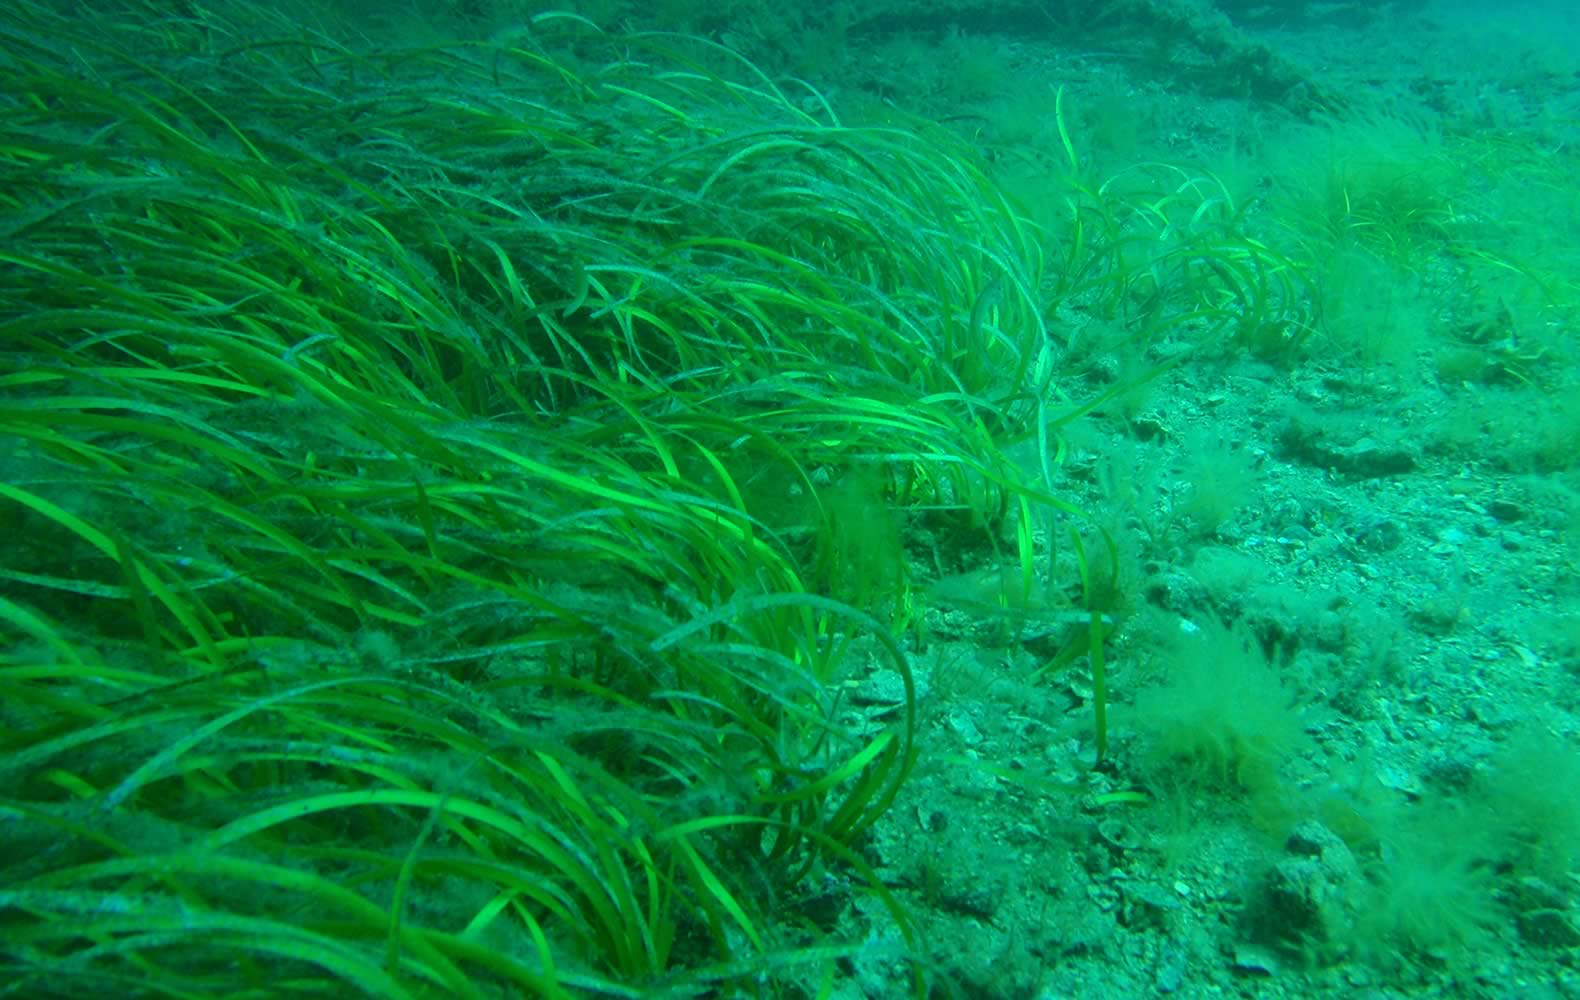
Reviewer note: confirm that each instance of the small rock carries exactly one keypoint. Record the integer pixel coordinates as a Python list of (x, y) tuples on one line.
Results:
[(964, 727), (1380, 535), (1505, 510), (1542, 914), (1256, 960), (1548, 928)]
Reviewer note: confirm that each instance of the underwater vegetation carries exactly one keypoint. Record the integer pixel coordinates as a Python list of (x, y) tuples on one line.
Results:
[(460, 499), (437, 484)]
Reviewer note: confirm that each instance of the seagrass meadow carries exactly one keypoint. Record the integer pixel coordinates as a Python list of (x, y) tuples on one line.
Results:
[(449, 493), (843, 500)]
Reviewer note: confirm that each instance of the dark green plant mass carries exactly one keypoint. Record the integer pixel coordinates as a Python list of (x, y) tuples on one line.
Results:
[(431, 481)]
